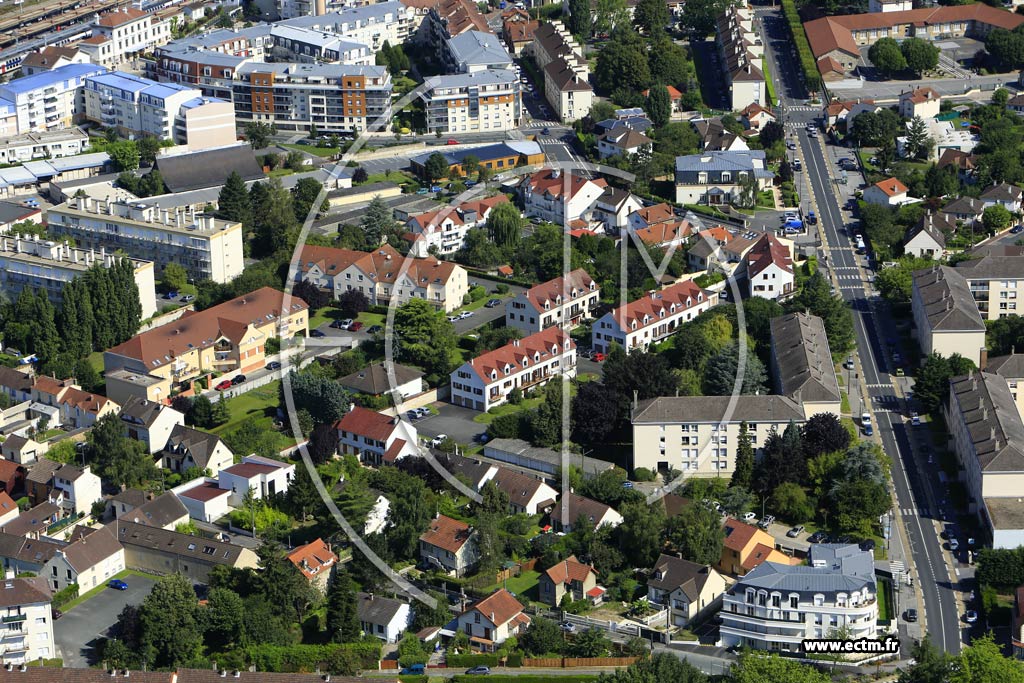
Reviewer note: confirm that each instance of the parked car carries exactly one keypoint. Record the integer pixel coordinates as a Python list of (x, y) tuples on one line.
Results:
[(355, 327), (954, 544), (413, 670), (223, 385), (57, 614), (599, 357), (971, 616), (412, 415), (795, 531), (865, 418), (452, 141), (491, 303), (910, 615), (453, 318), (915, 419), (273, 365), (317, 333), (546, 131), (1017, 228), (438, 440), (171, 295), (766, 521), (478, 671), (466, 314), (118, 584), (374, 329), (568, 627), (423, 412), (237, 379), (868, 430), (817, 537), (868, 544), (749, 516), (187, 299)]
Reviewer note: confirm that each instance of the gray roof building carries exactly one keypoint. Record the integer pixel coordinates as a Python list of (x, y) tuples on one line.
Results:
[(185, 441), (801, 359), (374, 609), (89, 550), (947, 300), (33, 521), (374, 379), (24, 550), (992, 267), (832, 568), (159, 512), (182, 546), (17, 592), (478, 49), (1003, 192), (986, 406), (671, 572), (140, 411), (934, 225), (690, 168), (208, 168), (714, 409), (1009, 367)]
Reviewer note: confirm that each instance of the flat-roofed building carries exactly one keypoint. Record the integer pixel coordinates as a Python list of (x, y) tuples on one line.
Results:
[(46, 101), (485, 100)]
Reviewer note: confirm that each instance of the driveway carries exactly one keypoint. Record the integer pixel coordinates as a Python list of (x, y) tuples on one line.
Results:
[(75, 632), (455, 421)]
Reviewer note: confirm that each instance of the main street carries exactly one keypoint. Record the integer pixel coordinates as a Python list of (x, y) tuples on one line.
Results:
[(918, 500)]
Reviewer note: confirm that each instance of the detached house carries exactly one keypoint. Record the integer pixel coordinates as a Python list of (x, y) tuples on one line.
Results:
[(923, 102), (188, 448), (375, 438), (382, 617), (686, 588), (888, 192), (264, 476), (572, 578), (565, 300), (966, 211), (76, 489), (754, 117), (770, 268), (640, 323), (567, 511), (526, 495), (23, 450), (316, 561), (612, 210), (490, 622), (928, 238), (718, 178), (549, 196), (444, 231), (746, 547), (449, 545), (623, 141), (1005, 195), (150, 422)]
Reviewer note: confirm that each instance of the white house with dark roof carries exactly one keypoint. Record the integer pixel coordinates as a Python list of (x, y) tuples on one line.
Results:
[(1005, 195), (802, 366), (964, 210), (150, 422), (717, 178), (770, 268), (23, 449), (445, 230), (612, 209), (652, 318), (623, 141), (90, 561), (204, 499), (382, 617), (570, 508), (266, 477), (28, 622), (686, 588), (488, 379), (567, 299), (560, 199), (946, 315), (928, 238), (526, 495), (187, 448), (374, 380), (493, 620), (375, 438)]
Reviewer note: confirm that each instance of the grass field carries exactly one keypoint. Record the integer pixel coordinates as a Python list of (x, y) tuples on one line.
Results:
[(524, 584), (884, 608), (252, 404), (313, 149)]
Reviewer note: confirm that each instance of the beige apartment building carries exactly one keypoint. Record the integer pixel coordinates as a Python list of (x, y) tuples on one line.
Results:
[(997, 283), (1010, 368), (697, 435), (228, 338), (208, 248), (946, 315), (802, 366)]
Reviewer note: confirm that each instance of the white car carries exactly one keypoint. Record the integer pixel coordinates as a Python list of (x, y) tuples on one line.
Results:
[(915, 419), (438, 440), (453, 318), (865, 419), (465, 314), (749, 517)]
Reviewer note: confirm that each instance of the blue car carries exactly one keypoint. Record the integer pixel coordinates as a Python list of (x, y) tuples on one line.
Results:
[(413, 670), (118, 584)]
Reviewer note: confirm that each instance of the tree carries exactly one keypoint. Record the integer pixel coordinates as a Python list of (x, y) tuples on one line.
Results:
[(222, 619), (743, 472), (504, 225), (314, 297), (612, 16), (697, 533), (737, 500), (887, 57), (170, 630), (86, 375), (324, 399), (342, 615), (360, 176), (1004, 335), (425, 337), (699, 16), (917, 141), (596, 411), (579, 21), (281, 583), (648, 374), (304, 196), (758, 667), (789, 501), (119, 459), (200, 413), (542, 637), (353, 302), (652, 16), (782, 460), (1006, 48), (823, 433), (258, 134), (590, 643), (640, 534), (274, 219), (622, 65), (174, 277), (722, 371), (659, 104), (941, 181), (771, 133), (931, 386), (996, 218), (930, 664), (149, 147), (921, 55), (378, 221), (436, 167), (124, 154)]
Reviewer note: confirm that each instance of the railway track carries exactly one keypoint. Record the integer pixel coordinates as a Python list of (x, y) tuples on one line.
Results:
[(51, 17)]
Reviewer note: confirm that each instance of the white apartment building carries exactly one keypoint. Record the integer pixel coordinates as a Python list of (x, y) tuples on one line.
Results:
[(208, 248), (640, 323), (946, 314), (487, 100), (119, 35), (566, 72), (488, 379), (563, 301), (742, 52), (550, 197), (698, 435), (52, 144), (264, 476), (49, 100), (310, 46), (384, 275), (375, 438), (370, 24), (170, 111), (444, 231), (46, 265), (997, 283), (777, 606), (28, 621)]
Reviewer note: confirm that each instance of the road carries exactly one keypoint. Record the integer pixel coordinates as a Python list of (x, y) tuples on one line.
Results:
[(919, 500), (74, 633)]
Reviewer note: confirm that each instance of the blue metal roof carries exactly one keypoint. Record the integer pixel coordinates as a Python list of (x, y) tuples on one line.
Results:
[(48, 78), (122, 81)]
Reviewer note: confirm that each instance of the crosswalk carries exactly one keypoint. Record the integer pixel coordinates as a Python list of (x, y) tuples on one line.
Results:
[(538, 124), (914, 512), (803, 108)]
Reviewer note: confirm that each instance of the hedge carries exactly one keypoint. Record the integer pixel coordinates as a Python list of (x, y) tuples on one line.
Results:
[(345, 658), (65, 595), (807, 62), (522, 679), (471, 660)]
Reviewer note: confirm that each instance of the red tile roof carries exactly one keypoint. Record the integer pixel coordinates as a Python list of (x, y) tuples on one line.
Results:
[(552, 183), (121, 17), (891, 187), (85, 401), (673, 93), (766, 251), (381, 265), (578, 282), (738, 534), (684, 294), (447, 534), (539, 345), (391, 454), (312, 558), (657, 213), (7, 503), (499, 607), (665, 233), (369, 423), (569, 569), (204, 492), (921, 95)]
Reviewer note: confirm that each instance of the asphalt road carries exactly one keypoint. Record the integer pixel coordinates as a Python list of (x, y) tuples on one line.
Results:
[(74, 632)]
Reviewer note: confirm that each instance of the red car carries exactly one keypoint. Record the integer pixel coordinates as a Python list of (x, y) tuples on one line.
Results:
[(225, 384), (599, 357), (355, 327), (452, 141)]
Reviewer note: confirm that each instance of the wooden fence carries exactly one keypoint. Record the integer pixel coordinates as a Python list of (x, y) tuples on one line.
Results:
[(572, 662)]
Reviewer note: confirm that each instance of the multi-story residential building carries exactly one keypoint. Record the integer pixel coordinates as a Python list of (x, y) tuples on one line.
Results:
[(159, 551), (48, 266), (568, 577), (382, 617), (208, 248), (122, 34), (997, 283), (28, 621), (48, 144), (716, 178), (375, 438), (1010, 368), (370, 24), (450, 545), (571, 508), (742, 52), (567, 300), (170, 111), (560, 200), (310, 46), (698, 435), (474, 51), (46, 101), (770, 268), (612, 209), (923, 102), (335, 98), (209, 71), (446, 19), (802, 366), (444, 231), (946, 314), (687, 589), (487, 380), (654, 317), (493, 620), (987, 434), (778, 606), (486, 100), (517, 29), (75, 489), (150, 422), (230, 337), (566, 72), (384, 275)]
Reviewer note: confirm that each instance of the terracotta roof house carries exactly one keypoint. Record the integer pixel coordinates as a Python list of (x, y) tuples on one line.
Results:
[(490, 622), (375, 438), (745, 547), (651, 318), (571, 578), (572, 507), (316, 561), (450, 545), (8, 509), (923, 102), (566, 299), (888, 192), (688, 589)]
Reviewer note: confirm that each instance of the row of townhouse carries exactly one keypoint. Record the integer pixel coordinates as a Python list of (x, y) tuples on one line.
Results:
[(640, 323), (119, 36), (384, 276), (742, 54), (444, 231), (566, 71)]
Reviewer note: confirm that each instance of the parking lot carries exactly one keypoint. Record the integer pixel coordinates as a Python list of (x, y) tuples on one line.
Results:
[(74, 633), (455, 421)]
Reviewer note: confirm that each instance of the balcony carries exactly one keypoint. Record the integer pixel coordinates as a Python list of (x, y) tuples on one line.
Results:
[(13, 618), (16, 647)]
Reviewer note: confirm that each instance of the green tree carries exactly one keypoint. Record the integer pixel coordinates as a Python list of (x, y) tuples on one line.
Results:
[(699, 16), (622, 65), (342, 615), (86, 375), (823, 433), (931, 386), (436, 167), (789, 501), (222, 619), (411, 650), (124, 154), (258, 134), (304, 196), (651, 16), (887, 57), (274, 221), (697, 533), (590, 643), (930, 664), (170, 630), (200, 413), (439, 615), (378, 222), (917, 142), (118, 459), (640, 534), (579, 20), (425, 337), (281, 583), (174, 277), (996, 218), (1004, 335), (920, 54), (659, 104), (744, 469), (504, 225), (542, 637), (722, 371), (149, 147), (758, 667), (611, 16)]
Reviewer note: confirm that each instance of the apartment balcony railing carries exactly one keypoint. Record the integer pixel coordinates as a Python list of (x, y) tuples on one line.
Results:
[(13, 618)]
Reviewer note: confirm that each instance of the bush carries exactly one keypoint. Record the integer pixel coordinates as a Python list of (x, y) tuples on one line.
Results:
[(643, 474), (477, 292), (295, 658), (64, 596), (807, 62), (501, 288), (468, 661)]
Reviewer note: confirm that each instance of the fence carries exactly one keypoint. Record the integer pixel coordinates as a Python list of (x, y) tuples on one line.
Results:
[(610, 626), (159, 320), (573, 662)]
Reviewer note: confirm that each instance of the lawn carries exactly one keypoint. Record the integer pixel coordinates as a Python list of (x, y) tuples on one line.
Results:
[(314, 150), (884, 609), (279, 172), (524, 584), (252, 404), (506, 408), (103, 586), (769, 86)]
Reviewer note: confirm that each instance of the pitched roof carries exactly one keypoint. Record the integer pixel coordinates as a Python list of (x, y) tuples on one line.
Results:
[(577, 506), (25, 591), (508, 359), (203, 329), (174, 543), (384, 264), (646, 310), (671, 572), (768, 250), (947, 300), (447, 533), (144, 412), (120, 17), (313, 558), (90, 550), (626, 138), (954, 157), (42, 471), (48, 56), (208, 168), (829, 65), (993, 422), (7, 503), (992, 267), (964, 205), (552, 183), (15, 379), (920, 95), (568, 570), (932, 225), (27, 550), (518, 486), (1010, 366), (85, 401), (376, 609), (656, 213), (500, 607), (34, 520), (738, 534), (564, 77), (369, 423), (198, 444), (374, 379), (159, 512), (550, 293), (1004, 192), (802, 358), (891, 187)]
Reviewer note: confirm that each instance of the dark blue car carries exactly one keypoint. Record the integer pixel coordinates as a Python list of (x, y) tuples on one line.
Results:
[(118, 584)]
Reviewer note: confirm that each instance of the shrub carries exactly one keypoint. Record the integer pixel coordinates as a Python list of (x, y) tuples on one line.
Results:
[(477, 292), (64, 596), (807, 62), (471, 660), (643, 474)]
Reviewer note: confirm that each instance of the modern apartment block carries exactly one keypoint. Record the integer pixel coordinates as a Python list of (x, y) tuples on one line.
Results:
[(170, 111), (563, 300), (654, 317), (488, 379), (946, 314), (371, 24), (49, 145), (334, 97), (119, 35), (48, 266), (46, 101), (997, 283), (28, 621), (208, 248), (698, 435), (486, 100), (777, 606), (230, 337), (209, 71)]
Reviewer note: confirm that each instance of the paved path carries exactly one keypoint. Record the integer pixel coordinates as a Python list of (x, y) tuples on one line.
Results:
[(75, 632)]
